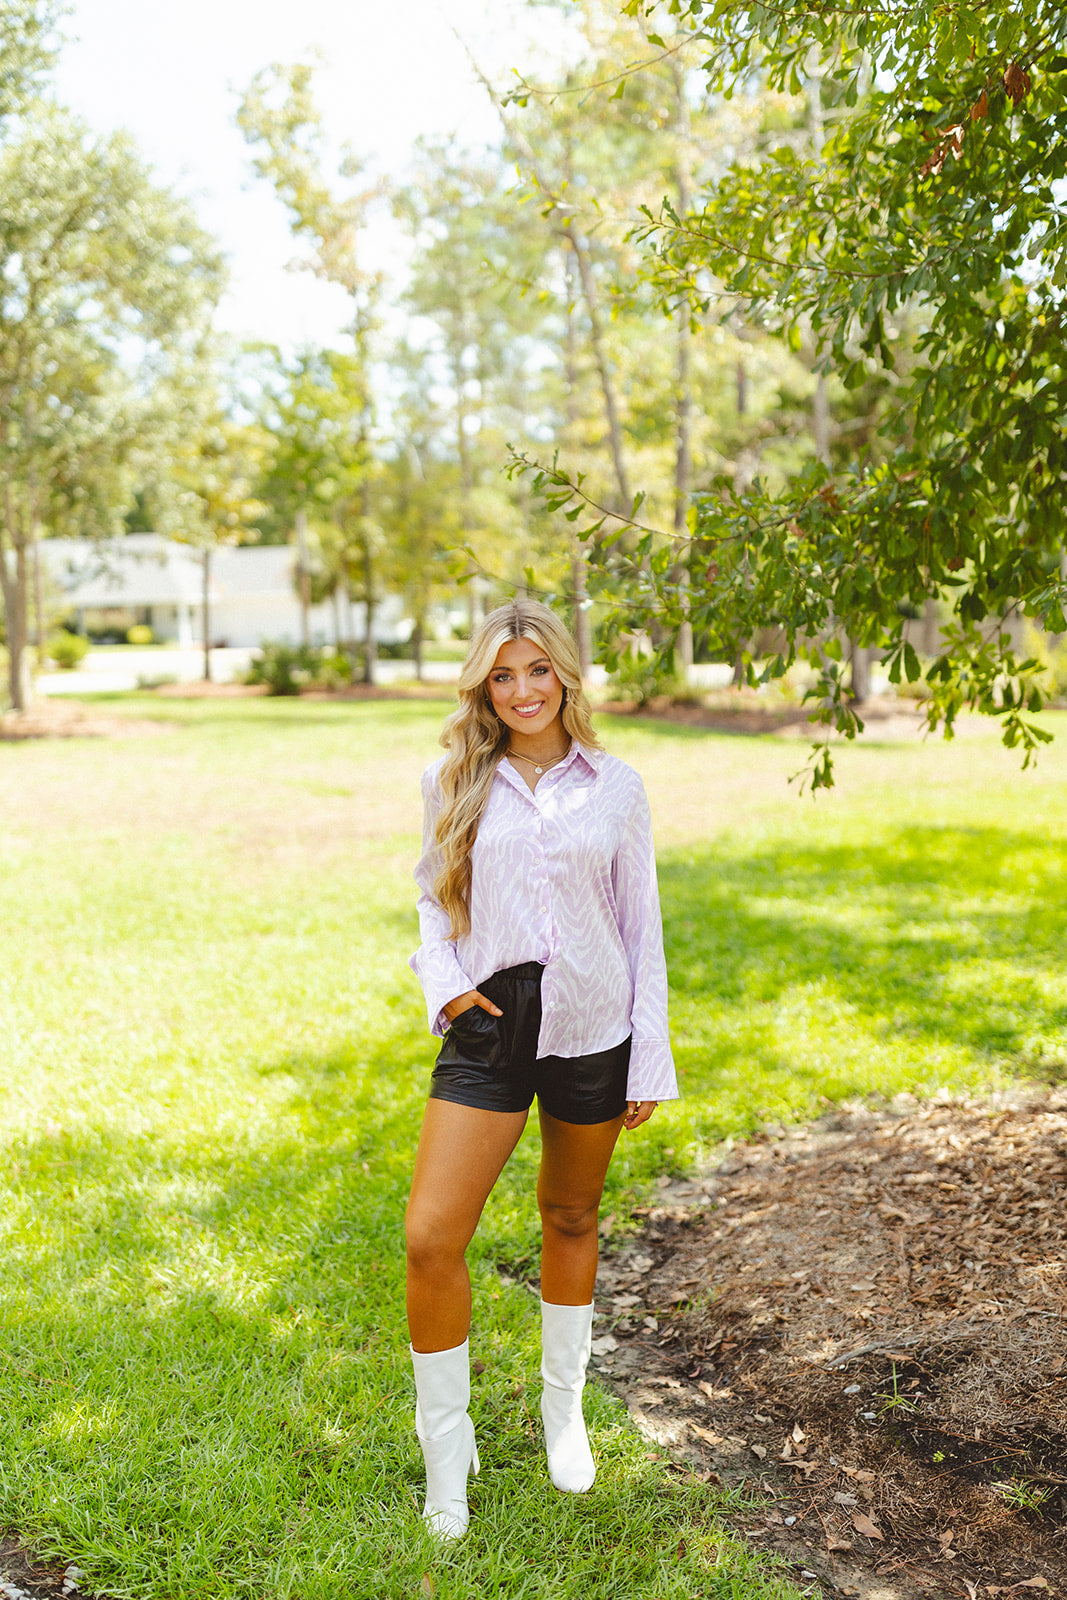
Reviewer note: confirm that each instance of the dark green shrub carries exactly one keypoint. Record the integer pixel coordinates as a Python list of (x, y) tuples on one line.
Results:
[(334, 670), (288, 668), (643, 678)]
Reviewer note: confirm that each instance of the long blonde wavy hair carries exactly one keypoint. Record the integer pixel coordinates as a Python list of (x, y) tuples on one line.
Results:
[(476, 739)]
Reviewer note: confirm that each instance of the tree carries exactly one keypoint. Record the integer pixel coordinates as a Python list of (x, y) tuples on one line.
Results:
[(550, 182), (28, 47), (932, 200), (480, 342), (280, 120), (317, 468), (630, 124), (420, 501), (101, 271), (216, 477)]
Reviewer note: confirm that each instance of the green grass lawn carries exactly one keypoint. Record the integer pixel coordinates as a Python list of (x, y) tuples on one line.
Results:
[(213, 1059)]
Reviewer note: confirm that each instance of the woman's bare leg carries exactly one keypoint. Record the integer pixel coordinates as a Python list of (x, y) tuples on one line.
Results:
[(462, 1152), (574, 1164)]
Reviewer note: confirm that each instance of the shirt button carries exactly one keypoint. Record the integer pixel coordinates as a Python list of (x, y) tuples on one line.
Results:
[(544, 909)]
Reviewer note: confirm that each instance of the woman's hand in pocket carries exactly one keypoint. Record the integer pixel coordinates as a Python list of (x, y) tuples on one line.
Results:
[(466, 1002)]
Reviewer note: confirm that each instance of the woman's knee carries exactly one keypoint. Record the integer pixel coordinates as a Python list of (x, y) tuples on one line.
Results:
[(574, 1220), (432, 1246)]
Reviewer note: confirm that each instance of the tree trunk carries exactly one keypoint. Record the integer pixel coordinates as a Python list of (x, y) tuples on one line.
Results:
[(583, 632), (683, 474), (683, 458), (466, 466), (820, 405), (18, 634), (38, 601), (416, 644), (861, 673), (350, 622), (205, 606), (14, 583), (568, 230), (603, 367), (741, 378), (303, 576), (7, 587), (820, 420), (930, 628), (370, 649)]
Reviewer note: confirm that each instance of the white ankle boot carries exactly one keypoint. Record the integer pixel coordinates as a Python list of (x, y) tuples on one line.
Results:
[(446, 1434), (566, 1334)]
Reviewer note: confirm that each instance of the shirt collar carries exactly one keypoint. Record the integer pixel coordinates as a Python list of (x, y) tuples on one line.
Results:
[(576, 753), (592, 758)]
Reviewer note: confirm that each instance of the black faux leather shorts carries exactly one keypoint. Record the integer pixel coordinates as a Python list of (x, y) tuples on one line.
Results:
[(492, 1062)]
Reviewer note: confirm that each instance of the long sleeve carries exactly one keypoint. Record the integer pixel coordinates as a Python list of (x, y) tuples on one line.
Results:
[(652, 1075), (435, 962)]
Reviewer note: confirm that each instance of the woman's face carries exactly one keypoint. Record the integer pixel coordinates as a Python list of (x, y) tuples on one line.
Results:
[(523, 687)]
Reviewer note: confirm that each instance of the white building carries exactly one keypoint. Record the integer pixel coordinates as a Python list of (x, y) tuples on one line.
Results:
[(144, 578)]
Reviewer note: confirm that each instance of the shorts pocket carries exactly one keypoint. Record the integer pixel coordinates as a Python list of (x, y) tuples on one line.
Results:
[(473, 1021), (474, 1040)]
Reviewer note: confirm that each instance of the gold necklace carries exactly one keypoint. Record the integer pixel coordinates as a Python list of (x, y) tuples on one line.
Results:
[(554, 761)]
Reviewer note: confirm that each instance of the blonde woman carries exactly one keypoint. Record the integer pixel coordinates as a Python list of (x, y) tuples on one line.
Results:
[(542, 965)]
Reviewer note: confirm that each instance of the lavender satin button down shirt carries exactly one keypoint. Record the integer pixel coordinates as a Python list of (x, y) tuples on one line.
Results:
[(564, 875)]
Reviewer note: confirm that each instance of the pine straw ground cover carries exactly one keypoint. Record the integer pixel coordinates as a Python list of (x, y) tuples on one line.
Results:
[(868, 1319)]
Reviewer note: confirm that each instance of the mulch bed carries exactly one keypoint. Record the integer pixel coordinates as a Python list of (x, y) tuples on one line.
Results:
[(864, 1322), (67, 719)]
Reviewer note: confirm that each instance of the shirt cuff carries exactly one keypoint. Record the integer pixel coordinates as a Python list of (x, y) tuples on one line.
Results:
[(442, 979), (651, 1075), (440, 1024)]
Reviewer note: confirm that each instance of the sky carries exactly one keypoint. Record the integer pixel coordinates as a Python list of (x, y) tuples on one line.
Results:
[(172, 75)]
